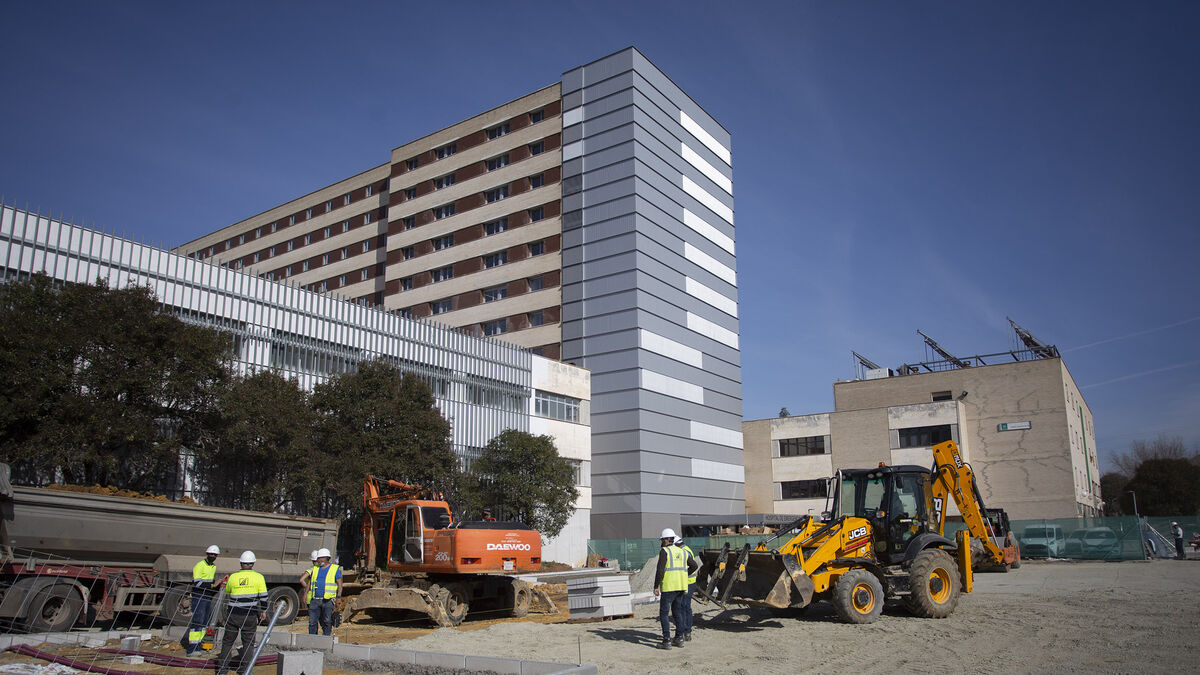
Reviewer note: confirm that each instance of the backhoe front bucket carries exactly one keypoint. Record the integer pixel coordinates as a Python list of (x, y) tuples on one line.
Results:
[(756, 578)]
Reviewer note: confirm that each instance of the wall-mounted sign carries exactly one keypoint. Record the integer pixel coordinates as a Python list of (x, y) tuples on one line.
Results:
[(1013, 426)]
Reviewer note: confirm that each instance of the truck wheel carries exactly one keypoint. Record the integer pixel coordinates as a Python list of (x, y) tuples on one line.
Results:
[(54, 609), (858, 597), (519, 597), (457, 602), (291, 604), (933, 585), (176, 606)]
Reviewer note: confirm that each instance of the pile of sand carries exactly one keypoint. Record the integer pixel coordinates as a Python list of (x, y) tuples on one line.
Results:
[(110, 491)]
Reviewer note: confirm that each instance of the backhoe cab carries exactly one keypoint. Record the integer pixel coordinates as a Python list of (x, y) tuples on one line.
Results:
[(883, 538)]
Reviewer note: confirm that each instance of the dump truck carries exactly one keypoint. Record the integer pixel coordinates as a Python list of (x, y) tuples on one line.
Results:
[(884, 537), (69, 558), (417, 557)]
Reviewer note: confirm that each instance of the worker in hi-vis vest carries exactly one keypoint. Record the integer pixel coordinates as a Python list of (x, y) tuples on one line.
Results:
[(670, 585), (322, 586), (247, 593), (204, 585), (691, 588)]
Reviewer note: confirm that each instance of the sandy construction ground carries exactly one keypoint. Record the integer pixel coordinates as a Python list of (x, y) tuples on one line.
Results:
[(1045, 617)]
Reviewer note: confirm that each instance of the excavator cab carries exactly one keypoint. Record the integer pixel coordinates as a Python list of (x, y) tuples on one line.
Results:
[(894, 499)]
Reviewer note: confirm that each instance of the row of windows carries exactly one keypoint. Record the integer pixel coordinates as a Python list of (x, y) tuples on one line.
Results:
[(555, 406), (490, 260), (919, 437), (333, 283), (804, 489), (292, 244), (493, 133), (489, 294), (302, 266), (308, 214), (799, 447)]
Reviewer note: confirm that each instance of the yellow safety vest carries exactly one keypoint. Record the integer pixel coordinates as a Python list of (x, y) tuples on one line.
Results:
[(693, 575), (675, 573), (247, 589), (330, 589), (203, 574)]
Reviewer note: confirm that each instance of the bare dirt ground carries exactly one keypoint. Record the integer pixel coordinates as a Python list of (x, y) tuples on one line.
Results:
[(1076, 617)]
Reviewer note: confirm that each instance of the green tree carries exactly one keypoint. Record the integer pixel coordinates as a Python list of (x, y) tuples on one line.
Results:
[(1167, 487), (102, 385), (376, 421), (1117, 502), (262, 457), (524, 478)]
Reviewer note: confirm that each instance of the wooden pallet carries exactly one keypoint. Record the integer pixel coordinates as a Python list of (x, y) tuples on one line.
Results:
[(596, 619)]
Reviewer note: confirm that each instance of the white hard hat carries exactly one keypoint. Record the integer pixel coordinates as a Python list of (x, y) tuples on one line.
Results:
[(1174, 523), (316, 554), (668, 533), (678, 540), (248, 557), (214, 549), (324, 553)]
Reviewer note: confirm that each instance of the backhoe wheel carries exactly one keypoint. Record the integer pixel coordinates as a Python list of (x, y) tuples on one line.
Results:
[(858, 597), (933, 584), (519, 596), (457, 602)]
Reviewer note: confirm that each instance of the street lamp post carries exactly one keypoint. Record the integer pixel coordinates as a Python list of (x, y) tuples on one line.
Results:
[(1135, 511)]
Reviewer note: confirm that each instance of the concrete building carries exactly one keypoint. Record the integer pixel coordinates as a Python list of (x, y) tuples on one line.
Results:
[(1022, 425), (482, 386), (590, 221)]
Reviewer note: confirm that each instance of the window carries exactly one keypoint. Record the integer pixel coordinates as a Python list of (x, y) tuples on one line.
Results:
[(210, 251), (555, 407), (370, 190), (412, 164), (446, 150), (237, 265), (537, 116), (442, 274), (535, 283), (366, 245), (495, 293), (328, 231), (345, 226), (497, 162), (537, 181), (307, 239), (291, 244), (367, 218), (497, 132), (804, 489), (364, 274), (287, 271), (495, 227), (440, 306), (406, 284), (409, 223), (324, 258), (346, 199), (291, 220), (536, 318), (328, 206), (537, 148), (405, 313), (443, 182), (444, 211), (537, 248), (918, 437), (536, 214), (410, 193), (275, 226), (257, 232), (322, 287), (408, 252), (495, 259), (270, 276), (496, 194), (342, 280), (304, 266), (345, 252), (495, 327), (798, 447), (941, 396), (443, 242), (256, 257), (308, 213), (271, 252)]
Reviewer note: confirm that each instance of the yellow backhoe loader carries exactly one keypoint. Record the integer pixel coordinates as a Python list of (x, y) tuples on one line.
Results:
[(884, 537)]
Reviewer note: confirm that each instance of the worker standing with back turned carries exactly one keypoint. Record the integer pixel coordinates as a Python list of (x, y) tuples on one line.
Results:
[(323, 586), (247, 591), (204, 585), (670, 585), (691, 588)]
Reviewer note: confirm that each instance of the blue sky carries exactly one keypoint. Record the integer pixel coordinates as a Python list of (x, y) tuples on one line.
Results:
[(897, 166)]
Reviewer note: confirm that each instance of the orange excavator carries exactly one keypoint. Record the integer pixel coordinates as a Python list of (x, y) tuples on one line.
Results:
[(417, 557)]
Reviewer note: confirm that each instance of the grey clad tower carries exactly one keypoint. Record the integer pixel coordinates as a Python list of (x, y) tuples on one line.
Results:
[(649, 295)]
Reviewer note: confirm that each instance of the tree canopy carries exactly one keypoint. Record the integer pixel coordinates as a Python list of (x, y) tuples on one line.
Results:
[(1164, 475), (524, 478)]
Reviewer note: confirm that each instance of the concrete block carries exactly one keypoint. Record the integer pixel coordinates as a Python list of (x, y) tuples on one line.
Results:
[(391, 655), (306, 641), (131, 643), (357, 652), (6, 641), (141, 636), (94, 643), (494, 664), (64, 638), (280, 638), (300, 663), (548, 668), (132, 659), (439, 659)]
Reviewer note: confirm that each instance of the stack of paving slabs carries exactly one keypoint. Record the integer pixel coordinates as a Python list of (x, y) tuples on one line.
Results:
[(599, 597)]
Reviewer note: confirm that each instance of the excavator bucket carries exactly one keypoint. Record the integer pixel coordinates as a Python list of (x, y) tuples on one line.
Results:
[(409, 598), (756, 578)]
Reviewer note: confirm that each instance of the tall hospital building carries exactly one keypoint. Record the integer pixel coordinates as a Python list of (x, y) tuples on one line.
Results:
[(591, 222)]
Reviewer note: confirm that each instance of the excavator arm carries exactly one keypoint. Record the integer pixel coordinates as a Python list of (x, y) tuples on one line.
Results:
[(953, 477)]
